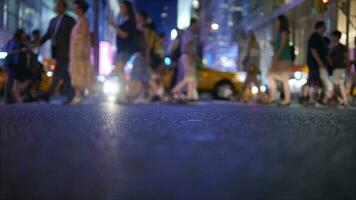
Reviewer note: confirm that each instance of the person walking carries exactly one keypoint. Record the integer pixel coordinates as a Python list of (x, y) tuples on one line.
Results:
[(80, 70), (125, 40), (8, 65), (17, 66), (36, 68), (58, 32), (251, 64), (175, 54), (317, 59), (281, 63), (339, 63), (141, 70), (187, 63)]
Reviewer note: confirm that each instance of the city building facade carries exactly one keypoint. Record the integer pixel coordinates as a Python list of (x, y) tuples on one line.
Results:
[(26, 14), (302, 15)]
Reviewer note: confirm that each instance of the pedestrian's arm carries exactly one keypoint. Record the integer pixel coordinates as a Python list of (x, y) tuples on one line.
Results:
[(284, 42), (16, 51), (316, 56), (248, 48), (121, 33), (46, 36)]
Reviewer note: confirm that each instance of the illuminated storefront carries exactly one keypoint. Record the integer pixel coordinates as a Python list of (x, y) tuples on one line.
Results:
[(303, 14)]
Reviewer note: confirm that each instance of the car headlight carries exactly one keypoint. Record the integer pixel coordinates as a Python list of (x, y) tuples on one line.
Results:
[(111, 87), (241, 76), (298, 75)]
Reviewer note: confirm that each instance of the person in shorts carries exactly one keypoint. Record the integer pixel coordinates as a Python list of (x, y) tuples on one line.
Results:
[(339, 63), (317, 59)]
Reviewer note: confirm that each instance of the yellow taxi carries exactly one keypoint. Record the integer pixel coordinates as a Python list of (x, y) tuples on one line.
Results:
[(223, 85), (48, 68)]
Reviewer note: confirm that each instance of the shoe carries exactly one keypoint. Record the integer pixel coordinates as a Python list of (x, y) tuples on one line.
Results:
[(76, 101), (269, 102), (281, 104), (140, 100)]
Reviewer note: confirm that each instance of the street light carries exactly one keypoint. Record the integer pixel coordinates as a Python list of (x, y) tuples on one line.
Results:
[(215, 26), (174, 34), (195, 4), (3, 54)]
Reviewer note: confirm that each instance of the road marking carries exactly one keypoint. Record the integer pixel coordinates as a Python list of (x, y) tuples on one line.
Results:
[(195, 120)]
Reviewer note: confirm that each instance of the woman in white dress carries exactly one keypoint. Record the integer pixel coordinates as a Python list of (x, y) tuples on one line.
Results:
[(80, 70)]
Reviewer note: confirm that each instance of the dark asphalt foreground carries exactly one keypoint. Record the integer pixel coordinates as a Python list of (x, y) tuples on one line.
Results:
[(204, 151)]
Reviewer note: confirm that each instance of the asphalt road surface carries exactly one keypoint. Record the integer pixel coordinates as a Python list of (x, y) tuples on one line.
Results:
[(206, 150)]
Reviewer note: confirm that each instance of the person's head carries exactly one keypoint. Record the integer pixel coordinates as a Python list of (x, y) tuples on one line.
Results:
[(80, 7), (194, 25), (36, 34), (162, 38), (320, 27), (61, 6), (251, 35), (126, 10), (141, 17), (20, 35), (335, 37), (282, 24)]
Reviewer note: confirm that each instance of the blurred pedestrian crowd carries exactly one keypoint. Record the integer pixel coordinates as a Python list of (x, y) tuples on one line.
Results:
[(331, 74), (330, 80)]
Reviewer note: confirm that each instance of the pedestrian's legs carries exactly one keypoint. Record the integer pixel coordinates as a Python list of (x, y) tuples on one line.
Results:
[(9, 85), (343, 94), (339, 77), (245, 88), (190, 86), (57, 76), (179, 86), (173, 80), (16, 91), (324, 76), (305, 91), (195, 91), (286, 89), (272, 86), (67, 86), (255, 80)]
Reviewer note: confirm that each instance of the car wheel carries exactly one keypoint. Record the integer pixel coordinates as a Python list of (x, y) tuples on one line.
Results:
[(224, 91)]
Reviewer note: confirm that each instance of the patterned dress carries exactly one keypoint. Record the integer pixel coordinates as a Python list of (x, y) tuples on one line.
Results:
[(80, 69)]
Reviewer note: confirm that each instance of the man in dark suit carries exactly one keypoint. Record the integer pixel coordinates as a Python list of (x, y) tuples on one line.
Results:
[(59, 32)]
